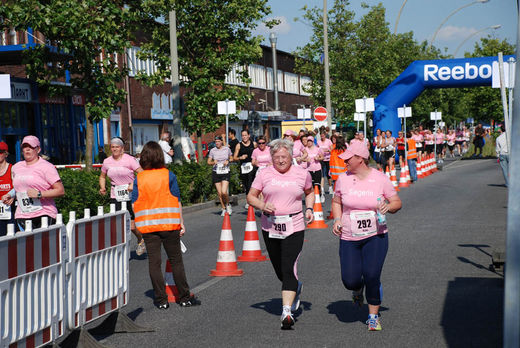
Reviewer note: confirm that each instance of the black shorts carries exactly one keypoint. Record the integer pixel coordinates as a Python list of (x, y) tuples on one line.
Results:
[(440, 147), (459, 142), (128, 207), (451, 147), (400, 153), (429, 148), (389, 154), (316, 177), (219, 177)]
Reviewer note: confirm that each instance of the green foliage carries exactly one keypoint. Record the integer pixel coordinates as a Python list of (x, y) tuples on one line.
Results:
[(487, 151), (213, 36)]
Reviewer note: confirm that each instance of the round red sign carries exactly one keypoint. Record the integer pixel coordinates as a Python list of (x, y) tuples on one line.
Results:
[(320, 113)]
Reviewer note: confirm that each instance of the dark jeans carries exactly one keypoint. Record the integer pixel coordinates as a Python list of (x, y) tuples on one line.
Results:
[(412, 164), (171, 242), (284, 255), (36, 222)]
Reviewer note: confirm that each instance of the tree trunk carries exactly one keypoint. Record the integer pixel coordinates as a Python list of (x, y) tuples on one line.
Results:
[(89, 142), (199, 147)]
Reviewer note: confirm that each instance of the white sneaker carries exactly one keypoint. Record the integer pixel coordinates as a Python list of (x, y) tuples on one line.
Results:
[(331, 190), (229, 209), (322, 198), (223, 212), (141, 248), (246, 206)]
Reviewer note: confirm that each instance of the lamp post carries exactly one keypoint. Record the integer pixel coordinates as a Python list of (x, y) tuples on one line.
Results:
[(328, 104), (475, 33), (451, 14), (399, 16), (272, 39)]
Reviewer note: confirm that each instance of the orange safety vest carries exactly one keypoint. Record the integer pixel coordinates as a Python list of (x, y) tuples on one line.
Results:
[(156, 209), (412, 151), (337, 165)]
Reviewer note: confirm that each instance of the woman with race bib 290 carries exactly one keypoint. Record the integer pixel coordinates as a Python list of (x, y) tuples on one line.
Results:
[(120, 169), (362, 197), (283, 220), (36, 183)]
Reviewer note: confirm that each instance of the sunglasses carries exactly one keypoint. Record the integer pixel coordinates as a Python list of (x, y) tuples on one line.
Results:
[(261, 143), (3, 151)]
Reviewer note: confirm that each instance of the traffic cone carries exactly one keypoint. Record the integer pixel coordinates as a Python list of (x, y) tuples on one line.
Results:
[(387, 171), (251, 249), (427, 169), (330, 217), (420, 172), (393, 178), (407, 174), (434, 166), (171, 288), (226, 260), (402, 178), (318, 211)]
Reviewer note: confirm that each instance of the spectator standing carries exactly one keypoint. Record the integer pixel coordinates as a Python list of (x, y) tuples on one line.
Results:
[(233, 141), (411, 156), (6, 185), (101, 154), (166, 148), (503, 154), (478, 140)]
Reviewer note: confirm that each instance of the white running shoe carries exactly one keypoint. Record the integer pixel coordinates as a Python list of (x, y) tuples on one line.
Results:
[(229, 209), (331, 190), (223, 212), (322, 198), (287, 322), (246, 206)]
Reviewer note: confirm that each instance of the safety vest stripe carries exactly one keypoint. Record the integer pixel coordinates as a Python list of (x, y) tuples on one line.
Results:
[(337, 167), (156, 211), (157, 222)]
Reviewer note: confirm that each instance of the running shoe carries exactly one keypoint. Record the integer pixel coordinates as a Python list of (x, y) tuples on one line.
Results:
[(287, 322), (322, 198), (331, 191), (141, 248), (246, 206), (374, 324), (357, 298), (223, 212), (229, 209), (164, 306), (296, 302), (192, 301)]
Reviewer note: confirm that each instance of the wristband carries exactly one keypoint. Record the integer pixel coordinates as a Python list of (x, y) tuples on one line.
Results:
[(312, 210)]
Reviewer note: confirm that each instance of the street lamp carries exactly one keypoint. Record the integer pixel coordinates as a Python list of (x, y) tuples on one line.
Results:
[(272, 39), (451, 14), (399, 16), (475, 33)]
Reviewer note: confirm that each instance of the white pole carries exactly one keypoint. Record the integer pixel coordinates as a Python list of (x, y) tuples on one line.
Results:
[(435, 138), (304, 117), (511, 79), (365, 125), (227, 122), (404, 120), (503, 94)]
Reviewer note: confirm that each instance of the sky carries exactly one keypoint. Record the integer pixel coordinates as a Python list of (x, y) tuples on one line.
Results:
[(423, 17)]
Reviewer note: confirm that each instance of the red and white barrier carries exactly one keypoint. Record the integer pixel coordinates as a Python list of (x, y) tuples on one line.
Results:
[(32, 282), (76, 166), (97, 279)]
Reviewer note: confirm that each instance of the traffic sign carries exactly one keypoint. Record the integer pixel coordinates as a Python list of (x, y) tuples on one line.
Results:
[(320, 113)]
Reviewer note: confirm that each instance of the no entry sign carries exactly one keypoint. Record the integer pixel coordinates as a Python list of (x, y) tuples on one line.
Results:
[(320, 113)]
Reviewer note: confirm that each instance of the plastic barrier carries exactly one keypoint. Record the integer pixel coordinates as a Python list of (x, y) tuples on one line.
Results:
[(97, 269), (32, 279), (76, 166)]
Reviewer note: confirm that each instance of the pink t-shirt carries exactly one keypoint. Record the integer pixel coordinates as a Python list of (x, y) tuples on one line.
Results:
[(39, 176), (439, 138), (220, 155), (451, 138), (429, 139), (359, 197), (120, 172), (297, 148), (262, 157), (313, 164), (418, 139), (325, 147), (284, 191)]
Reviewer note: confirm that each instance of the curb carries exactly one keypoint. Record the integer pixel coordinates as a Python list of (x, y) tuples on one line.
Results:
[(211, 204)]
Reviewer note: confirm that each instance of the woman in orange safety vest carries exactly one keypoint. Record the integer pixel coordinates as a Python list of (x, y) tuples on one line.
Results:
[(337, 165), (158, 216)]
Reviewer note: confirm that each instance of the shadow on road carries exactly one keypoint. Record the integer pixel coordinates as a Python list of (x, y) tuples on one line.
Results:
[(473, 311), (347, 312), (274, 306), (497, 185)]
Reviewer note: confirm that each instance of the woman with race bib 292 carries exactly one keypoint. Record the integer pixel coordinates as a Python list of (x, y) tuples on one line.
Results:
[(120, 169), (283, 220), (362, 197)]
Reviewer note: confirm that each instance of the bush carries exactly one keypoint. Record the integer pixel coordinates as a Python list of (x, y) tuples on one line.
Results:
[(487, 151)]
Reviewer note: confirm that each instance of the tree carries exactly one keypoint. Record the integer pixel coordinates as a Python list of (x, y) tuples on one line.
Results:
[(83, 38), (213, 37)]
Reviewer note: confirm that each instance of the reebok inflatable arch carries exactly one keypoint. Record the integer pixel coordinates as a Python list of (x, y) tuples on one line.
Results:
[(422, 74)]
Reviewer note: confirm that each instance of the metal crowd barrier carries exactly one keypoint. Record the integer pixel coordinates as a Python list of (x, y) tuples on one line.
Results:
[(58, 278)]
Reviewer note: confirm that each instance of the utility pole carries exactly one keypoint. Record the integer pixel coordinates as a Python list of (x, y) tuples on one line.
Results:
[(326, 66), (176, 120)]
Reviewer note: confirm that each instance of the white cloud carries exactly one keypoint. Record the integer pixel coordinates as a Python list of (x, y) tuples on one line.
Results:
[(453, 33), (283, 28)]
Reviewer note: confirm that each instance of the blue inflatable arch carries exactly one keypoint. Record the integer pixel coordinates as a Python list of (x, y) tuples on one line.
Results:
[(422, 74)]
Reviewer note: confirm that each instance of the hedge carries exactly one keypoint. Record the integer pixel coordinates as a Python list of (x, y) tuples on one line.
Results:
[(82, 187)]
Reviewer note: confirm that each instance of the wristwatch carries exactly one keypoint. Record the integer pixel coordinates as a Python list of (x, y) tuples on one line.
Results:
[(312, 210), (39, 194)]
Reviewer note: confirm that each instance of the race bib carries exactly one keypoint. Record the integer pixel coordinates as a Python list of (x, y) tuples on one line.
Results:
[(390, 148), (246, 167), (363, 223), (5, 211), (222, 169), (281, 226), (28, 204), (294, 161), (121, 192), (418, 145)]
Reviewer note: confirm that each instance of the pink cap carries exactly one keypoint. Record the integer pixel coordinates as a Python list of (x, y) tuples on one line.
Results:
[(310, 137), (289, 132), (3, 146), (356, 148), (31, 140)]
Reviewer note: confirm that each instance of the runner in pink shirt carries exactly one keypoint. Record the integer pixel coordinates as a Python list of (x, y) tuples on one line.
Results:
[(36, 183), (261, 155), (325, 145), (440, 139), (419, 140), (120, 169), (299, 153), (314, 156), (282, 186), (451, 139), (362, 197)]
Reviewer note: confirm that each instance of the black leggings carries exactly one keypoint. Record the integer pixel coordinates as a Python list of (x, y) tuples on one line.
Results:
[(36, 222), (284, 255), (247, 180)]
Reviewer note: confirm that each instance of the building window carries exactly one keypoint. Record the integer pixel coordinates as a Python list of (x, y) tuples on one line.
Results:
[(291, 83), (304, 81), (257, 75)]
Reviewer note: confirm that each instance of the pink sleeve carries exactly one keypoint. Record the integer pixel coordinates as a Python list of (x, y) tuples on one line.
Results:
[(388, 188), (51, 174), (258, 182), (308, 181), (104, 169), (254, 155), (133, 163)]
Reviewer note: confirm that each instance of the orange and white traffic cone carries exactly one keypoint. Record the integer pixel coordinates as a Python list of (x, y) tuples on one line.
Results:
[(318, 211), (393, 178), (434, 166), (427, 169), (403, 182), (330, 217), (171, 288), (251, 251), (387, 171), (407, 174), (226, 260), (420, 173)]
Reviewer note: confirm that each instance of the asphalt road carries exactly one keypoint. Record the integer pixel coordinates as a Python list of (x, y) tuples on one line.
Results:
[(438, 289)]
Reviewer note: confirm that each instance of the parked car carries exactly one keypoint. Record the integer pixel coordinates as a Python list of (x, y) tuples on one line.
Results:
[(205, 149)]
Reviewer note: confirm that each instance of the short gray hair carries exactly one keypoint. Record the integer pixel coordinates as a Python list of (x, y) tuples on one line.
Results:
[(278, 144)]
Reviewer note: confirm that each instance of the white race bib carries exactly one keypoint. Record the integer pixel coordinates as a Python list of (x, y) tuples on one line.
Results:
[(121, 192), (246, 167), (27, 204), (5, 211), (363, 223), (281, 226), (222, 169)]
